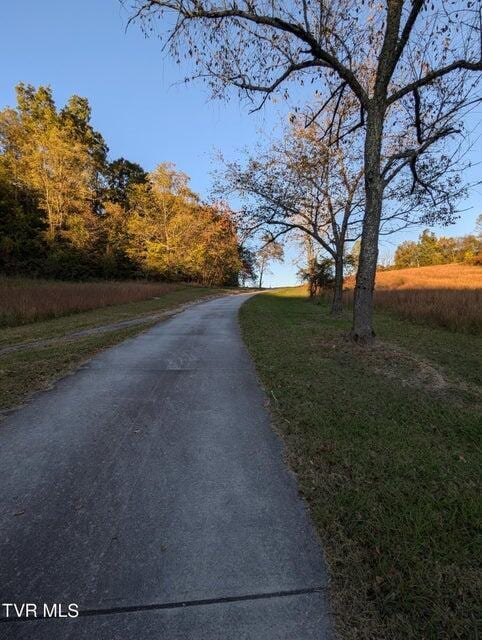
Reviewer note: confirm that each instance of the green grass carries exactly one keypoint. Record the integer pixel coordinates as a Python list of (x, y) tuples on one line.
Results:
[(27, 371), (385, 447), (24, 372)]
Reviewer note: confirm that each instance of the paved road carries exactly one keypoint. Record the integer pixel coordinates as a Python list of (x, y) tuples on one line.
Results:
[(149, 488)]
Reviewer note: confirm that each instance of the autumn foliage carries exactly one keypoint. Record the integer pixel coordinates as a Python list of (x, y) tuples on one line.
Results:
[(68, 212), (430, 250)]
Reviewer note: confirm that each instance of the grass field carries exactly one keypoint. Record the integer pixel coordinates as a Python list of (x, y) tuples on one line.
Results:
[(385, 444), (443, 276), (24, 300), (449, 295), (26, 371)]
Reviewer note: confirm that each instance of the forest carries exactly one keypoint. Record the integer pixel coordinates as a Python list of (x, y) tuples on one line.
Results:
[(67, 211)]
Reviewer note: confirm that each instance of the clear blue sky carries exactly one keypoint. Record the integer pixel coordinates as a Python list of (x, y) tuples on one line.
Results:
[(139, 102)]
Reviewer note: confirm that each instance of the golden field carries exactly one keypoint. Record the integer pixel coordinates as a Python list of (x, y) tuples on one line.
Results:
[(448, 295), (24, 300), (443, 276)]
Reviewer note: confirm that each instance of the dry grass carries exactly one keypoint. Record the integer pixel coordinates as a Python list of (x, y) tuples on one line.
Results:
[(24, 300), (455, 309), (41, 352), (448, 295), (443, 276)]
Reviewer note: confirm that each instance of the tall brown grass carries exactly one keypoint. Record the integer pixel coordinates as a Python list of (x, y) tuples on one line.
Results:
[(448, 295), (24, 300)]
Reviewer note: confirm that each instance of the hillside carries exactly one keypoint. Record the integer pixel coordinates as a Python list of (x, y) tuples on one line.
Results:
[(440, 276), (448, 295), (443, 276)]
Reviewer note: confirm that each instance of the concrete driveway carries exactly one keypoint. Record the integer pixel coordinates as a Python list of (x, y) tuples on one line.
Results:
[(149, 489)]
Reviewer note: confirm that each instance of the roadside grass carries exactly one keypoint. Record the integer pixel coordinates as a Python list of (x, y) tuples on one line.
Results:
[(23, 373), (58, 327), (26, 371), (385, 445)]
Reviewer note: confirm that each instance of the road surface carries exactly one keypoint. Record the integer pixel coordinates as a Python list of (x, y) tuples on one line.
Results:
[(149, 489)]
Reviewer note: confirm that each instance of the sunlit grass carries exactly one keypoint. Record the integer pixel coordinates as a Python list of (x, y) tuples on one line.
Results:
[(448, 295), (442, 276), (24, 300)]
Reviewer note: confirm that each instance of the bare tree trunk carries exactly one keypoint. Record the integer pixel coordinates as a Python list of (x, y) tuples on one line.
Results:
[(261, 276), (337, 302), (362, 328)]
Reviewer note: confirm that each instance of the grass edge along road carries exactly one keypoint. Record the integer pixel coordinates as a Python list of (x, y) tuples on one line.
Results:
[(27, 371), (384, 445)]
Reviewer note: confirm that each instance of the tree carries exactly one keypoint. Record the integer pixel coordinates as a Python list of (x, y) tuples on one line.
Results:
[(65, 211), (430, 250), (156, 238), (248, 267), (352, 258), (120, 176), (409, 63), (172, 235), (478, 225), (45, 151), (74, 119), (406, 255), (22, 224), (302, 184), (270, 251), (318, 275), (307, 270)]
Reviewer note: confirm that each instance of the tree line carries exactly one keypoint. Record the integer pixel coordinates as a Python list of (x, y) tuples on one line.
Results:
[(430, 250), (67, 211)]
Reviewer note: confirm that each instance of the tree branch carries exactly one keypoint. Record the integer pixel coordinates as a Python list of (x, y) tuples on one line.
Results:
[(433, 75), (319, 53)]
